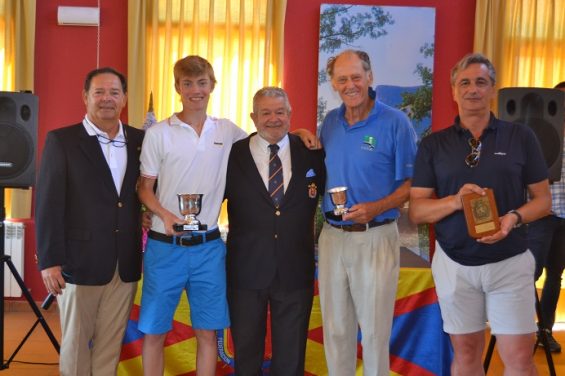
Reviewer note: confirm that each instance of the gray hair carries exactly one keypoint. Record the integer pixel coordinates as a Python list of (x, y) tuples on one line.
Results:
[(273, 92), (362, 55), (469, 59)]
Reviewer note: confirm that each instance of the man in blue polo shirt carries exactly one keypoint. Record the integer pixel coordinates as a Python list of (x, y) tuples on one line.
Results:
[(490, 278), (370, 149)]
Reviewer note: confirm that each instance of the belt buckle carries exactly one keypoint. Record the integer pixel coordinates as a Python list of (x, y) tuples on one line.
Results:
[(191, 239)]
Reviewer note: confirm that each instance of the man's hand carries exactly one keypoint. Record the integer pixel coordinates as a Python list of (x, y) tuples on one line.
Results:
[(146, 220), (169, 219), (310, 140), (53, 280), (466, 188), (507, 223), (363, 213)]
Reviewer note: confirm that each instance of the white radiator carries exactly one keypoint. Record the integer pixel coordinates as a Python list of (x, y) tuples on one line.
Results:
[(13, 247)]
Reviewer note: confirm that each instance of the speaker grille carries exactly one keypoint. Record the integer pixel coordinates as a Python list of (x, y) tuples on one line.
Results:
[(18, 138), (15, 150)]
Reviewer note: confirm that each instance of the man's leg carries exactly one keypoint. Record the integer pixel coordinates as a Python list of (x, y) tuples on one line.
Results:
[(206, 352), (77, 309), (540, 233), (111, 322), (248, 314), (373, 275), (290, 315), (468, 353), (152, 354), (516, 354), (552, 285), (510, 297), (338, 313)]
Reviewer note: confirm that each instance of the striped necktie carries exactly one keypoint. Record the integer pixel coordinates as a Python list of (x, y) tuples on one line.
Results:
[(276, 183)]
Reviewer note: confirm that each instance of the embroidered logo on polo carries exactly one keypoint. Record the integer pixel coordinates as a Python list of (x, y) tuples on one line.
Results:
[(369, 143)]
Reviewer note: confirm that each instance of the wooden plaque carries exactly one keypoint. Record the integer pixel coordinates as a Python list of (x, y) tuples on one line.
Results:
[(481, 214)]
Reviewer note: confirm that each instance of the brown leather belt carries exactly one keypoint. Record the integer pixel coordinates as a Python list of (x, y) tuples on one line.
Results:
[(185, 240), (359, 227)]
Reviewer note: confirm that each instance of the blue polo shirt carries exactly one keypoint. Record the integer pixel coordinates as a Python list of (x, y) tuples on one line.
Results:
[(371, 158), (510, 160)]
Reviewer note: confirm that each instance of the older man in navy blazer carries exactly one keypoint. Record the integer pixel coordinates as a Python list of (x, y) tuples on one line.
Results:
[(273, 184), (88, 226)]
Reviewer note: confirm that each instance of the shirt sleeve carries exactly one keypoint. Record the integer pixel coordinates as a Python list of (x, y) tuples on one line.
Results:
[(151, 152), (424, 175), (405, 150)]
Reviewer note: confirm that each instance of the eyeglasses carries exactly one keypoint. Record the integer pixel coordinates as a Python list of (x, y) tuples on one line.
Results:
[(117, 143), (472, 159)]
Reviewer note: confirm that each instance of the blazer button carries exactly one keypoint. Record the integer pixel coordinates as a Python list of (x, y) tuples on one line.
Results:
[(276, 236), (120, 204), (117, 230), (277, 213)]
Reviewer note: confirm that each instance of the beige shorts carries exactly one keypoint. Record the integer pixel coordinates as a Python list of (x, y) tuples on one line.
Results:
[(501, 293)]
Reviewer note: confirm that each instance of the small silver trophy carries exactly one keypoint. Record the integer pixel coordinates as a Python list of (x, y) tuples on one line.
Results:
[(190, 205), (338, 196)]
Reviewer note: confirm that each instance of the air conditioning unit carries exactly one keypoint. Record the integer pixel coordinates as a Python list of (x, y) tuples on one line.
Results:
[(78, 16)]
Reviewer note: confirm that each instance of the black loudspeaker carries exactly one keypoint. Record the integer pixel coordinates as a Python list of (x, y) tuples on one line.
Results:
[(542, 110), (18, 139)]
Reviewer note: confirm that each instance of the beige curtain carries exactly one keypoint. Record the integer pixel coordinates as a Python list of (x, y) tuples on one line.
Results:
[(243, 39), (17, 42), (525, 39)]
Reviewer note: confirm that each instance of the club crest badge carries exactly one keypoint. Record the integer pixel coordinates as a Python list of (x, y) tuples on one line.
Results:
[(312, 190)]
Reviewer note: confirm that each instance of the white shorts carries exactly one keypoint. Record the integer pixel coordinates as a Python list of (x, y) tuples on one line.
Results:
[(501, 293)]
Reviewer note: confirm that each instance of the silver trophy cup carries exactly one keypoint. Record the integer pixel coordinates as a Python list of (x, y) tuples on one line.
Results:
[(190, 205), (338, 195)]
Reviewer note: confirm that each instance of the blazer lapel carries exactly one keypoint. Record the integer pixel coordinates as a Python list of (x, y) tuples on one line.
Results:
[(132, 168), (295, 162), (248, 166)]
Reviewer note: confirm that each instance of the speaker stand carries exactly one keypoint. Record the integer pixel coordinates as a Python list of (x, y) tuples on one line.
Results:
[(6, 260)]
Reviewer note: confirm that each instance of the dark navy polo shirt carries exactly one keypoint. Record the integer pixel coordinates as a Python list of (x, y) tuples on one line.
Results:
[(510, 160)]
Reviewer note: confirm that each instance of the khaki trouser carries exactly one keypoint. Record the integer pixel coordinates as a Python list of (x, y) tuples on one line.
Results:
[(358, 278), (93, 322)]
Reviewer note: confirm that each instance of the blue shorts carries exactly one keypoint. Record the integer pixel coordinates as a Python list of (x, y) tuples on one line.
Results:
[(199, 269)]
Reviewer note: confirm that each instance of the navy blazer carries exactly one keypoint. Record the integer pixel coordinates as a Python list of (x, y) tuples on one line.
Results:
[(82, 222), (264, 241)]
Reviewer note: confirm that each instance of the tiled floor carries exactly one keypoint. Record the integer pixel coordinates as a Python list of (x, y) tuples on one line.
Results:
[(38, 349)]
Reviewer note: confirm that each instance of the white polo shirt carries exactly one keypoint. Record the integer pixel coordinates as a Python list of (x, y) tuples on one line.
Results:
[(183, 162)]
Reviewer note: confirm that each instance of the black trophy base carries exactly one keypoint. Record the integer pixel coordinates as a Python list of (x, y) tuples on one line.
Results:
[(180, 227)]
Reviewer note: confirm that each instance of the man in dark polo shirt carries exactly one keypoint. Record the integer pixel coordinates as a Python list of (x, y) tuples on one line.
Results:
[(490, 278)]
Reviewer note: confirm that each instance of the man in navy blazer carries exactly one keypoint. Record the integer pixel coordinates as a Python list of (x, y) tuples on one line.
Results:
[(270, 258), (88, 226)]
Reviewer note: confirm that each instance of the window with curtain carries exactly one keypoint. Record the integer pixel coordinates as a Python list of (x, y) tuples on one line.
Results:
[(242, 39), (17, 32), (6, 50), (525, 39)]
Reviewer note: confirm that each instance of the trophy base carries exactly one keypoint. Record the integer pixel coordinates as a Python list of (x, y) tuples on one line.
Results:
[(179, 227), (340, 211)]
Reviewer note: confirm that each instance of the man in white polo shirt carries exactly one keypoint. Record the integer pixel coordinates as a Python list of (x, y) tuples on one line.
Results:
[(188, 153)]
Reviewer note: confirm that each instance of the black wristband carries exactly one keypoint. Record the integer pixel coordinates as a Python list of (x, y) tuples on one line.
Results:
[(517, 214)]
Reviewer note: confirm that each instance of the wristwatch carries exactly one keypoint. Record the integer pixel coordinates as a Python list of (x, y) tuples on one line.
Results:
[(517, 214)]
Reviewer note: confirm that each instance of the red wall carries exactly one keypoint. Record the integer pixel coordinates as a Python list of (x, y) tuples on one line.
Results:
[(454, 38), (64, 54), (63, 57)]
